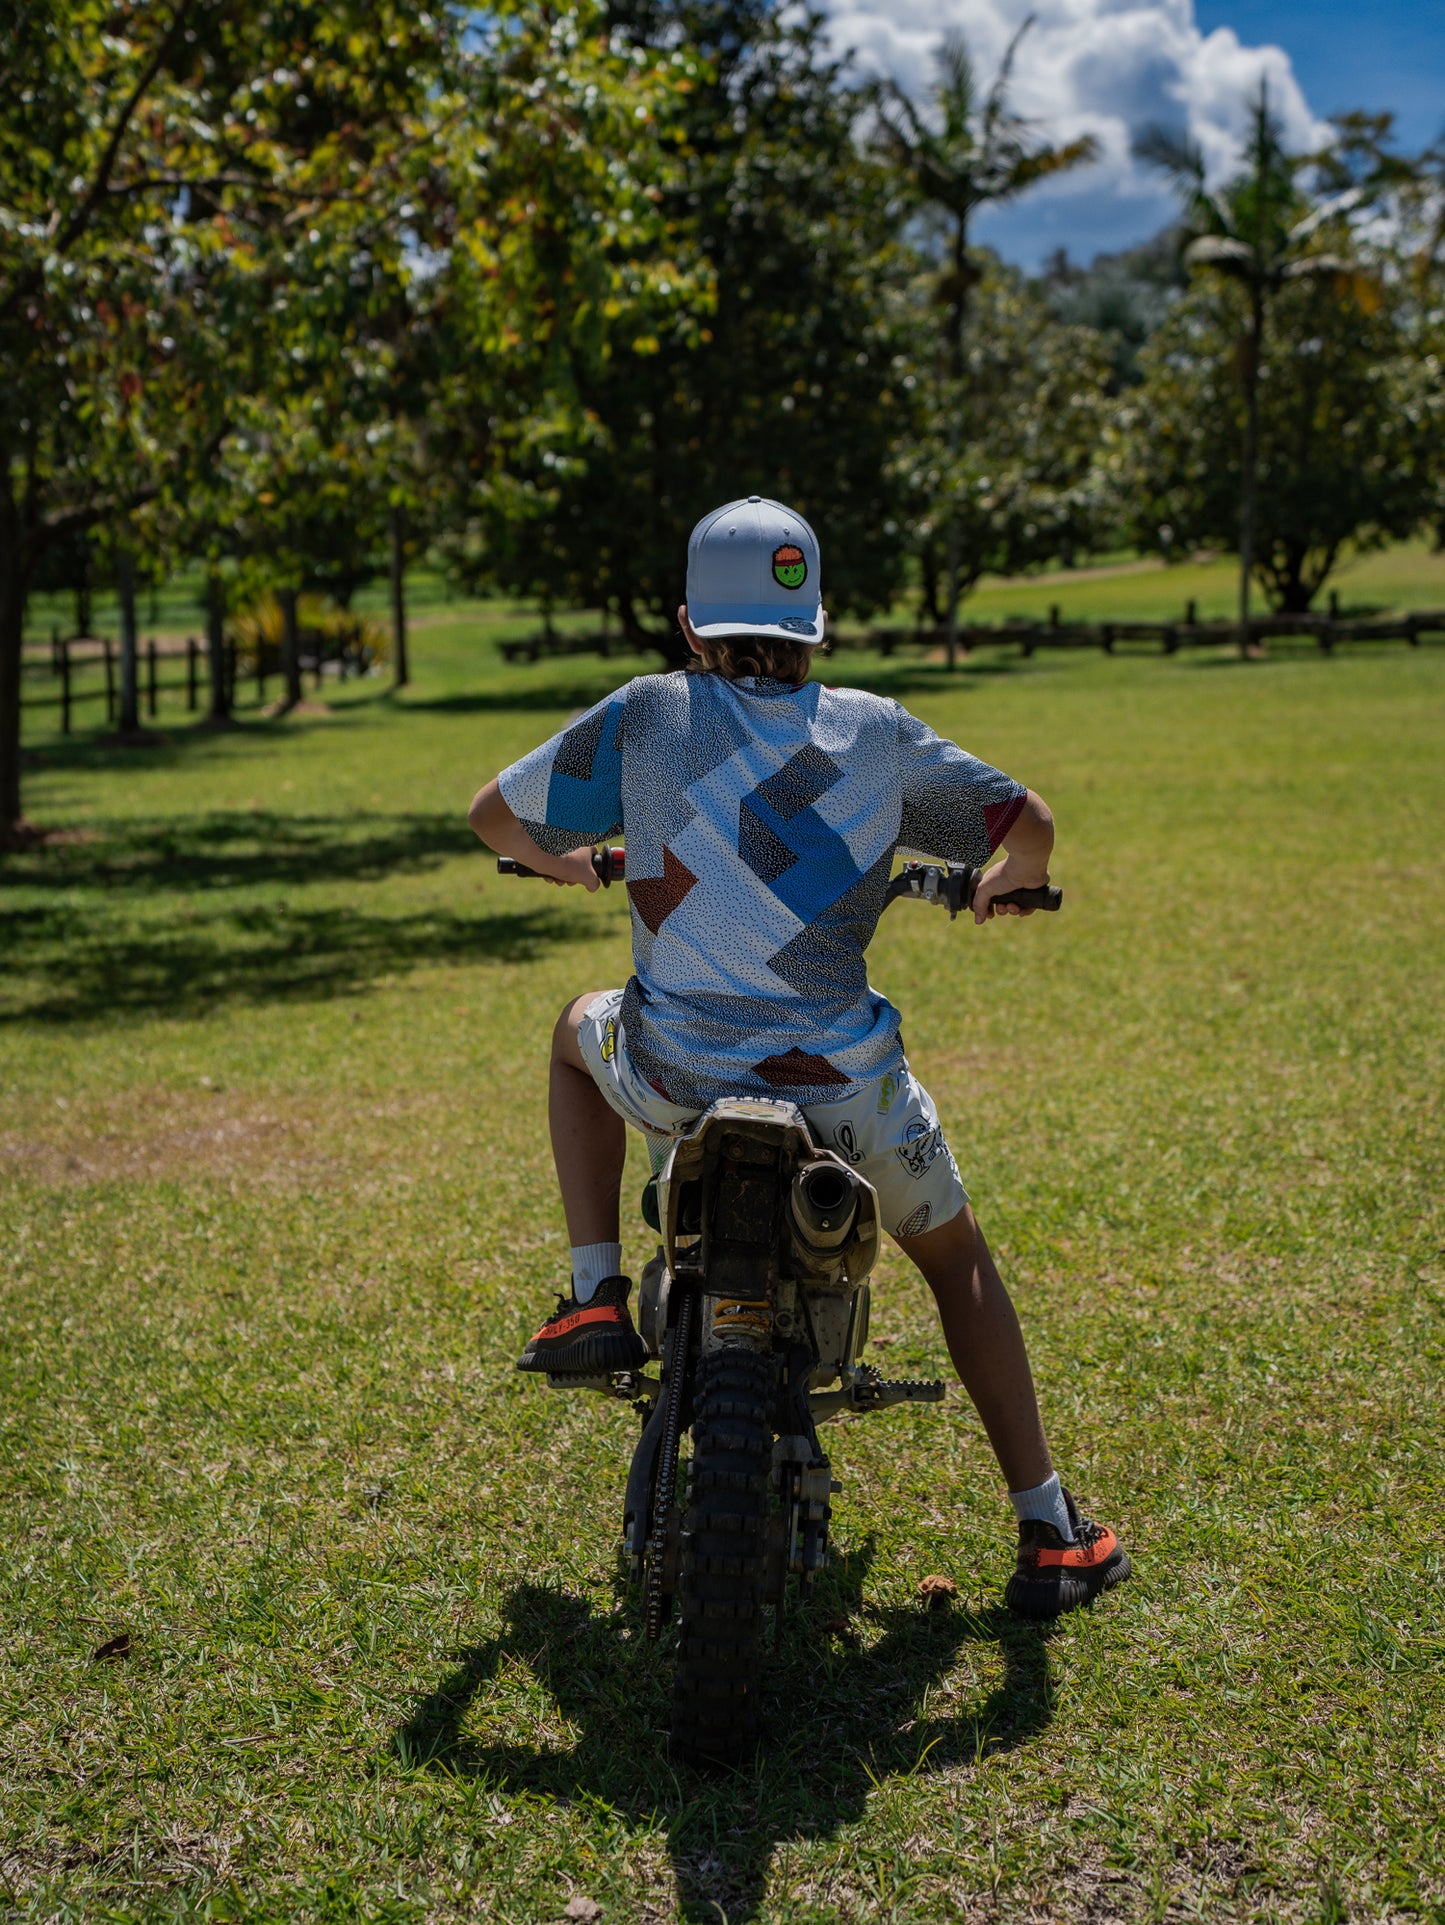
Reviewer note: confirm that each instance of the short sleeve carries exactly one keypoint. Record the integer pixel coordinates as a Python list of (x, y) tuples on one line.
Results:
[(567, 794), (954, 806)]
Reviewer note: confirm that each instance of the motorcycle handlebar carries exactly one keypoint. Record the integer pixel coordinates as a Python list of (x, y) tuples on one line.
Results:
[(949, 887), (610, 866)]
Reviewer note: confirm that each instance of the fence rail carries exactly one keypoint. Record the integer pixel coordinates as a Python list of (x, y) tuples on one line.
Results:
[(1325, 630), (1029, 636), (87, 669)]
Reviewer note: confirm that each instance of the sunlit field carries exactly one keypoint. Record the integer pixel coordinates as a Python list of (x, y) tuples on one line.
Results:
[(276, 1214)]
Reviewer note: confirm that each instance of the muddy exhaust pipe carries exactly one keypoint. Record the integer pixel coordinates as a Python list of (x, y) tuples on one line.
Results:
[(823, 1207)]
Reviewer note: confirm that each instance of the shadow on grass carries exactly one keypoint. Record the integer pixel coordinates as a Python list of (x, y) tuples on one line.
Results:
[(840, 1719), (87, 952), (238, 849), (252, 956)]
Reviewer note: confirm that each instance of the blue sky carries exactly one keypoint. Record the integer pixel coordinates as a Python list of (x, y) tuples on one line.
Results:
[(1374, 53), (1108, 67)]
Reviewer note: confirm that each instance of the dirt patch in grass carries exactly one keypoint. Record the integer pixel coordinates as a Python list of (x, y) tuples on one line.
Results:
[(162, 1136)]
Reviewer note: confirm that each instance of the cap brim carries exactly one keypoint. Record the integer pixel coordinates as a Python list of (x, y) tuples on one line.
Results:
[(712, 621)]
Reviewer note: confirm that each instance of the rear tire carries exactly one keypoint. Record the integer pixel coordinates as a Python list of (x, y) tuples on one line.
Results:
[(724, 1548)]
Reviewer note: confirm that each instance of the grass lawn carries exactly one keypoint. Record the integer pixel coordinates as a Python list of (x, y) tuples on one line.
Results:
[(276, 1213)]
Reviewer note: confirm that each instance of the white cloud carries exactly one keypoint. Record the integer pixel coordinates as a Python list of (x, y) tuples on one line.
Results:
[(1100, 67)]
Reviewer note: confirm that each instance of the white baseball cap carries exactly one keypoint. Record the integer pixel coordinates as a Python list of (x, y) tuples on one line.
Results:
[(753, 569)]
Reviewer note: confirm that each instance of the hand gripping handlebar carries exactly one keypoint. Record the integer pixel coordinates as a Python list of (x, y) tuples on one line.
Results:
[(951, 888), (610, 865)]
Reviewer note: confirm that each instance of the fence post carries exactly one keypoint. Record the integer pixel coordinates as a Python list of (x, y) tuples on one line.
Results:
[(1334, 604), (65, 688), (1191, 613), (109, 683), (1171, 638), (261, 668), (1054, 616), (55, 651), (1107, 638), (151, 677), (1412, 631), (190, 671)]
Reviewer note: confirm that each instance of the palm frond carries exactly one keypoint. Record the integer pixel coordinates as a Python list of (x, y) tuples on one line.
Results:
[(1344, 203), (1046, 162), (1172, 153), (993, 108), (957, 90), (1219, 251)]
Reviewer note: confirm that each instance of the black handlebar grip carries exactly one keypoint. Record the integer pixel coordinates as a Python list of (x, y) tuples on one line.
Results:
[(610, 865), (1047, 896)]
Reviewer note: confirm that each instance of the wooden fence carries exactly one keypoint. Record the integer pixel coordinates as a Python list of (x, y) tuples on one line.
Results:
[(1188, 632), (87, 669)]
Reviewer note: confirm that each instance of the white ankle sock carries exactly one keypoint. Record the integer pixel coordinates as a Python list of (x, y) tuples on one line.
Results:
[(1045, 1502), (593, 1263)]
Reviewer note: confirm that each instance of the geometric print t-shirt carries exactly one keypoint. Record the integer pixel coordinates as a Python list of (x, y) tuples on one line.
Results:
[(761, 822)]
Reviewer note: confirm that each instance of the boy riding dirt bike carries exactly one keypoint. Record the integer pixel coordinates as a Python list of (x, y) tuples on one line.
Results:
[(762, 813)]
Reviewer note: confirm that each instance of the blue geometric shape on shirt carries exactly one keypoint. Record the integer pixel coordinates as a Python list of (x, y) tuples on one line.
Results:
[(826, 959), (803, 861), (586, 773), (801, 780)]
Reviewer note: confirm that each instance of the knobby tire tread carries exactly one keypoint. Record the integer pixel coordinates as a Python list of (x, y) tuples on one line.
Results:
[(724, 1547)]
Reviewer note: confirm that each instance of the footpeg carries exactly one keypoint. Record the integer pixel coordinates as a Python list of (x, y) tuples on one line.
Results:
[(628, 1385), (872, 1392), (865, 1391)]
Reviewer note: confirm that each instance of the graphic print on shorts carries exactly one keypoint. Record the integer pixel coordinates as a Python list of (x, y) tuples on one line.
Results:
[(790, 566), (916, 1222), (922, 1143), (845, 1142)]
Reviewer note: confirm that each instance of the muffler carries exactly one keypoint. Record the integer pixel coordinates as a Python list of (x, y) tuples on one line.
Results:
[(823, 1207)]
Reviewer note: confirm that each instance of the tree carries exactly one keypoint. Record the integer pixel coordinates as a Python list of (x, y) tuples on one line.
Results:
[(1023, 488), (1347, 420), (789, 386), (973, 152), (177, 183), (1261, 233), (210, 212)]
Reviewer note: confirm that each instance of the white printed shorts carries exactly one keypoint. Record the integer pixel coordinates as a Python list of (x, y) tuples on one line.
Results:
[(889, 1130)]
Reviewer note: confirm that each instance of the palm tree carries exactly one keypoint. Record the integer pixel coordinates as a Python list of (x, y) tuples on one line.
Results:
[(971, 152), (1254, 232)]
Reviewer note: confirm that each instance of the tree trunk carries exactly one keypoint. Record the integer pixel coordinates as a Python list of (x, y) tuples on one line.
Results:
[(401, 675), (12, 629), (290, 647), (1248, 507), (82, 593), (957, 314), (129, 667), (220, 711)]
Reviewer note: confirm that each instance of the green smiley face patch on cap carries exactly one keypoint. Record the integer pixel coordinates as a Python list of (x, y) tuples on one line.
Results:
[(790, 566)]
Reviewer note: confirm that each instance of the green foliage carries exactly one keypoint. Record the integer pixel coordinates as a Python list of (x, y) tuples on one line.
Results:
[(1005, 458), (1350, 419), (259, 631), (970, 470), (791, 388)]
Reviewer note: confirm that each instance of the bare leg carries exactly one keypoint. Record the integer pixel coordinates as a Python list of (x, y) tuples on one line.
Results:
[(589, 1138), (985, 1343)]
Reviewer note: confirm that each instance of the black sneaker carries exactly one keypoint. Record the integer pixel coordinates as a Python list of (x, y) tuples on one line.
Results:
[(588, 1339), (1052, 1576)]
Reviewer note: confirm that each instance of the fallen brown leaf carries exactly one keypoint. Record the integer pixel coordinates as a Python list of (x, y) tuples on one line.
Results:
[(935, 1591), (116, 1647)]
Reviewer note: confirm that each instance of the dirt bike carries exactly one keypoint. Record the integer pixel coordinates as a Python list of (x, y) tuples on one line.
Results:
[(756, 1306)]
